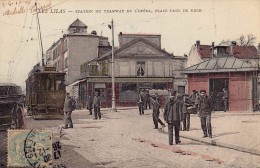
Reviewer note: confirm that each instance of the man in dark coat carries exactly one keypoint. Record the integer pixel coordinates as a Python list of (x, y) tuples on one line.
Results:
[(96, 106), (173, 116), (141, 101), (147, 99), (225, 99), (205, 108), (156, 113), (90, 104), (69, 106), (186, 115)]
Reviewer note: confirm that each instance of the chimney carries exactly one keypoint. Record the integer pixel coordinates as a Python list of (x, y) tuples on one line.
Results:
[(233, 43), (197, 44), (258, 48), (120, 39), (212, 50)]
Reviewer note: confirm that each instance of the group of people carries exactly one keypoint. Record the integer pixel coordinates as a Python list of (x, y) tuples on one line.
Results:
[(70, 105), (144, 101), (177, 110)]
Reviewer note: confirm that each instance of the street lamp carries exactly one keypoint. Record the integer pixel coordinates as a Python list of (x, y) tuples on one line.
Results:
[(113, 109)]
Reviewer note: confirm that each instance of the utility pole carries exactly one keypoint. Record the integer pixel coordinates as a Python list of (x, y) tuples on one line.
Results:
[(113, 109), (40, 35)]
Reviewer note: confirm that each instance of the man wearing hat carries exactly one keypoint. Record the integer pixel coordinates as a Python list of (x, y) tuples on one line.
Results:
[(205, 108), (173, 116), (96, 106), (141, 101), (186, 114), (68, 108)]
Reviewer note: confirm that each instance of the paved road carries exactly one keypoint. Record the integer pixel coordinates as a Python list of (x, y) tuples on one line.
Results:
[(126, 139), (67, 150)]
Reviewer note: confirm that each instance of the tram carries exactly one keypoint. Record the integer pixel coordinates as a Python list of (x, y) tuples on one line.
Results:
[(45, 93)]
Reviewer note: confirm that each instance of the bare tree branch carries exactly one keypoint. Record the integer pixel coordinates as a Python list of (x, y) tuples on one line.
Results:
[(250, 39)]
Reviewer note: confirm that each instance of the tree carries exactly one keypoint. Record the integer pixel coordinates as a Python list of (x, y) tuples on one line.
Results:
[(243, 40)]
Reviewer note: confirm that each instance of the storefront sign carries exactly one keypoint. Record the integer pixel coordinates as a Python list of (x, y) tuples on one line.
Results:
[(136, 80)]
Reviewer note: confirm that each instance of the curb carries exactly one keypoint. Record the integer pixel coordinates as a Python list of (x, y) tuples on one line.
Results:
[(221, 144)]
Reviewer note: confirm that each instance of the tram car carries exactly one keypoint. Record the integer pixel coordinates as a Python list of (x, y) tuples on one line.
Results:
[(45, 93)]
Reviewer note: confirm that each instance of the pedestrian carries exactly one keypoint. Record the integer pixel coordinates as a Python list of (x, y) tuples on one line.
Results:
[(186, 115), (69, 106), (156, 113), (147, 99), (205, 108), (196, 104), (140, 102), (193, 96), (90, 104), (225, 99), (173, 116), (96, 105)]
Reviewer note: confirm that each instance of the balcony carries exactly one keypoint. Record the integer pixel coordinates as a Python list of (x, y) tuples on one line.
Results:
[(100, 69)]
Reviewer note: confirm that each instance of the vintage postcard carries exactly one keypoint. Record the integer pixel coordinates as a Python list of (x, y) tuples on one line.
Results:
[(127, 83)]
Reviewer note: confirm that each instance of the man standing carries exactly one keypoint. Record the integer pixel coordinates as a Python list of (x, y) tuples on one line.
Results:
[(96, 106), (173, 116), (140, 102), (186, 114), (90, 104), (69, 106), (205, 108), (147, 99), (156, 113), (225, 99)]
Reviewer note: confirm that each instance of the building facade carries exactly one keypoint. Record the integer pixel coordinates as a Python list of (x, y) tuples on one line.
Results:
[(75, 47), (234, 68), (140, 63)]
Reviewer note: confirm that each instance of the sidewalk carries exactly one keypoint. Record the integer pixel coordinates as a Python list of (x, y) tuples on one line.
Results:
[(126, 139), (239, 131)]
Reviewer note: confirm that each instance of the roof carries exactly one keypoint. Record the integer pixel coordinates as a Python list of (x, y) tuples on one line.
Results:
[(243, 51), (8, 84), (109, 54), (223, 64), (205, 51), (78, 23)]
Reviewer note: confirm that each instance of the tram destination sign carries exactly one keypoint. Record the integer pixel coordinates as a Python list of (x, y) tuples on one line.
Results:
[(49, 68)]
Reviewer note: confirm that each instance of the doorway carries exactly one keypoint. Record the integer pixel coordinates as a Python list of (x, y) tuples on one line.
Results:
[(216, 91)]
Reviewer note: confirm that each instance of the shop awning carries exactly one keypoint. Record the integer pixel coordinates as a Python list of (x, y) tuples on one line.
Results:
[(75, 83)]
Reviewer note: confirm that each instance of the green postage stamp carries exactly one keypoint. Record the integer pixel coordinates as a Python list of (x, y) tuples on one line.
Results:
[(29, 148)]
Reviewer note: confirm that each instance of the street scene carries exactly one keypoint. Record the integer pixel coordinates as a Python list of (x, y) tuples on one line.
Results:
[(122, 84)]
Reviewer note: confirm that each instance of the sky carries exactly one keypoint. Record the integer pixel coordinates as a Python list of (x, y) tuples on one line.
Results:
[(179, 22)]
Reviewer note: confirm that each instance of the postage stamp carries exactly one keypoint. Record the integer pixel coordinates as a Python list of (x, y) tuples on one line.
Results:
[(29, 148)]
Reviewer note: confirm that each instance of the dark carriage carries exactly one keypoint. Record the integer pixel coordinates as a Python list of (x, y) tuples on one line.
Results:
[(45, 93), (11, 106)]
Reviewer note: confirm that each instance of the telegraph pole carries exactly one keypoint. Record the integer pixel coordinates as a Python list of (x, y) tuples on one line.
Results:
[(113, 109), (40, 35)]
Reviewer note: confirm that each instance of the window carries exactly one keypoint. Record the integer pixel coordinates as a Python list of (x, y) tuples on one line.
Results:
[(140, 68), (159, 86)]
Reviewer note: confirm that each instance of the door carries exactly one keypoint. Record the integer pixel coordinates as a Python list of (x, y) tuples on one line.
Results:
[(216, 91)]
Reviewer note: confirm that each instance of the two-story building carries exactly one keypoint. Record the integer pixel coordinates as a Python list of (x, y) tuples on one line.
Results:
[(140, 63)]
